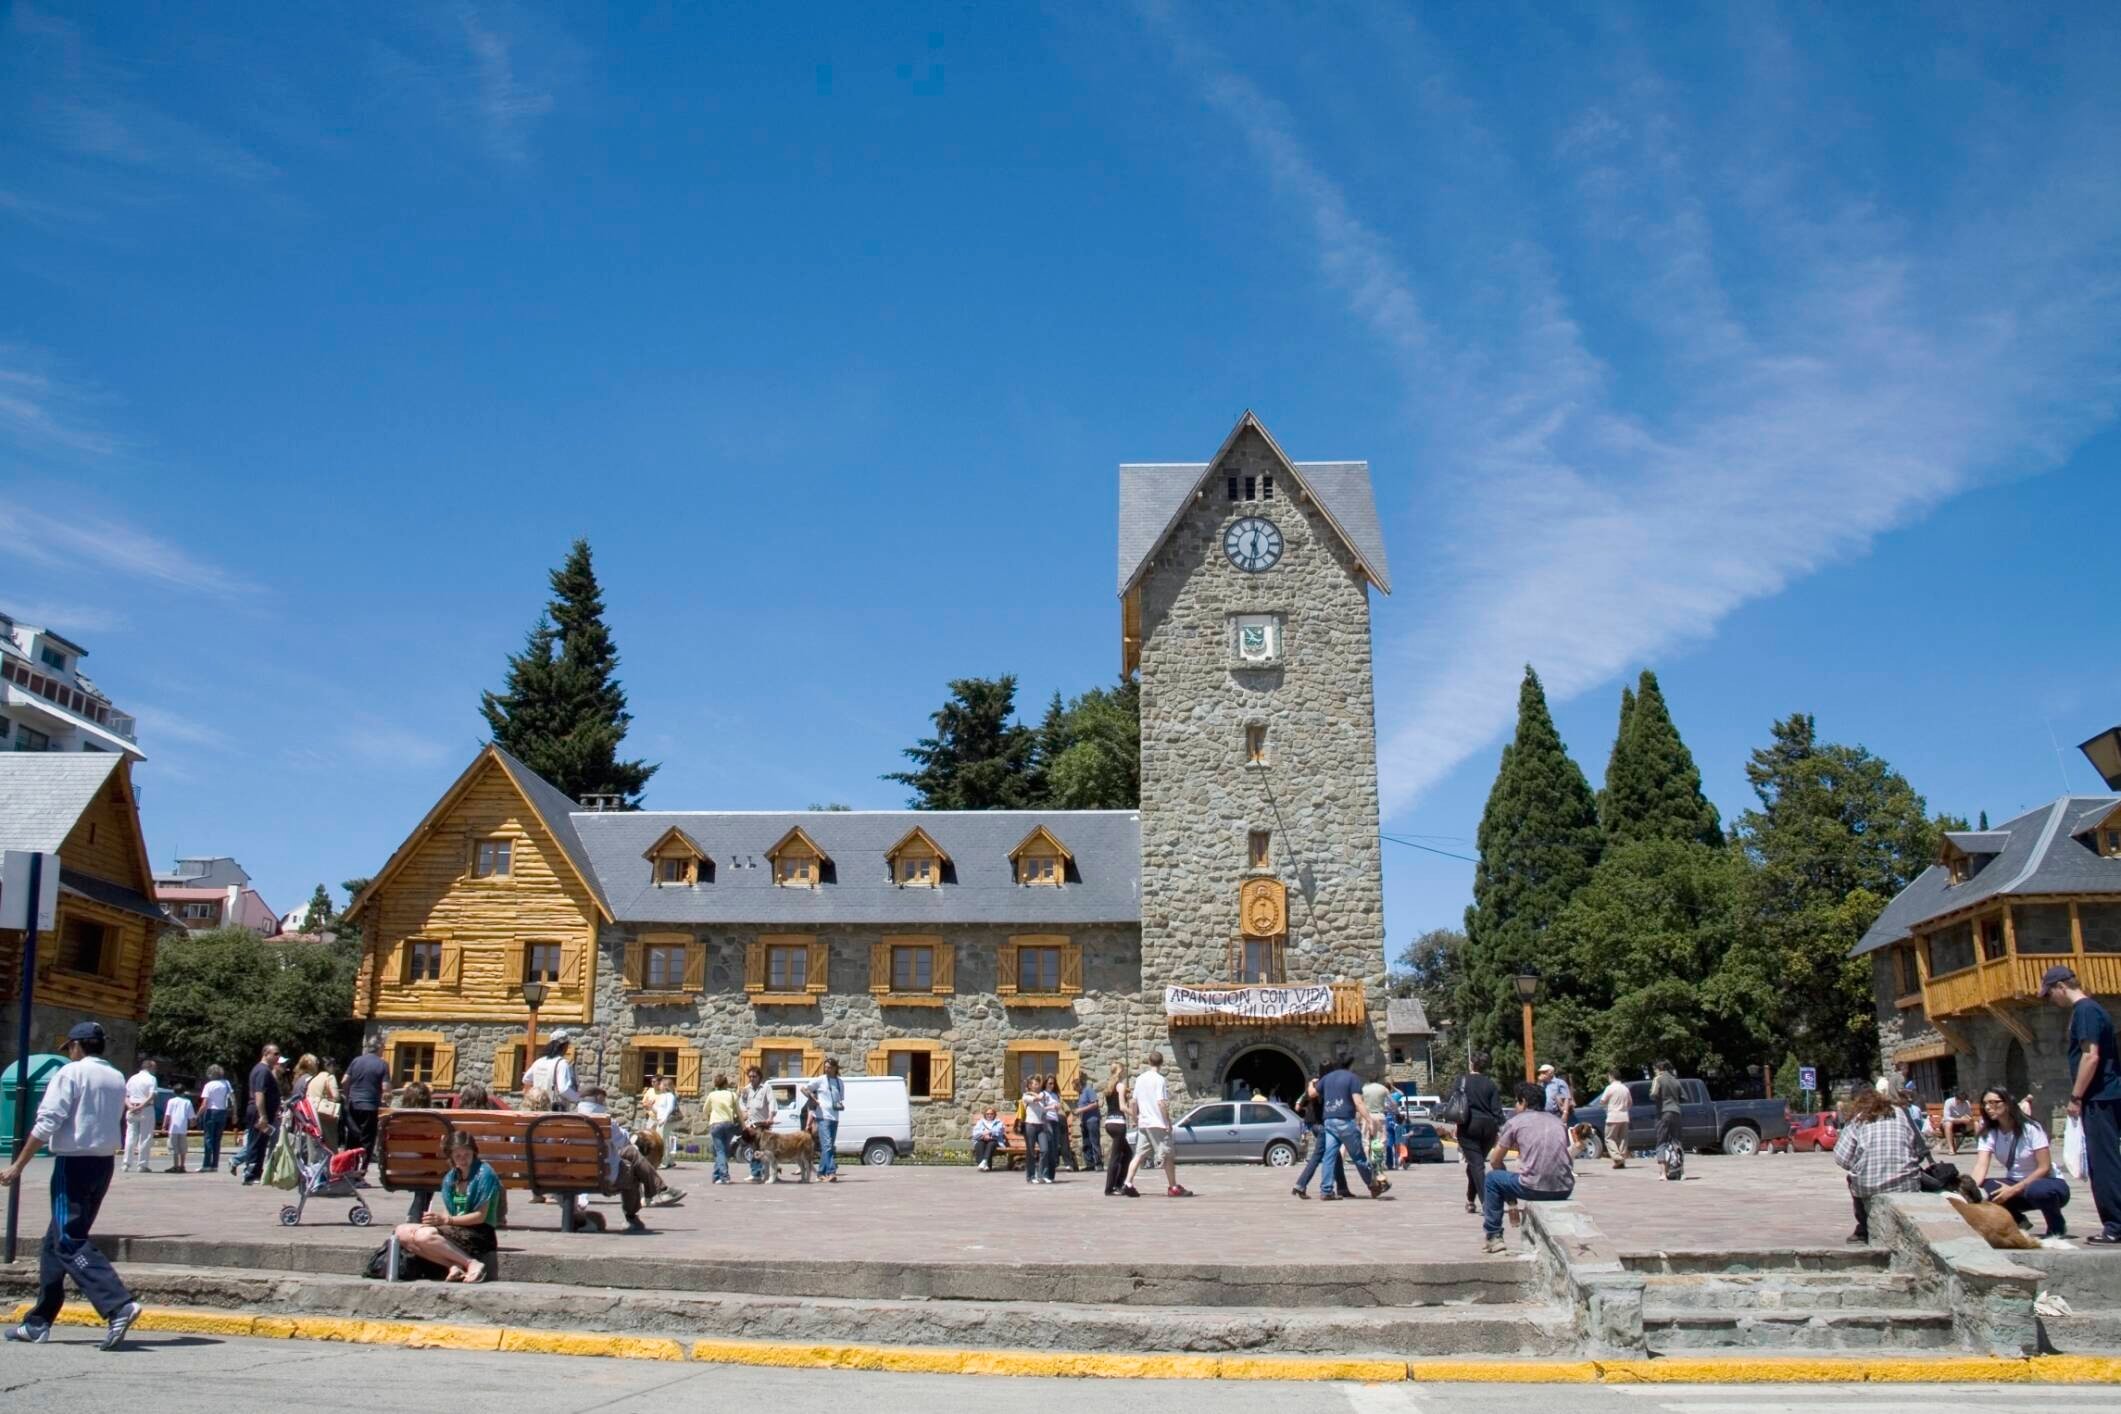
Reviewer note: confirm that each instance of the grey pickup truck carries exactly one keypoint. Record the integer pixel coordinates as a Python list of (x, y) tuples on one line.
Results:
[(1733, 1126)]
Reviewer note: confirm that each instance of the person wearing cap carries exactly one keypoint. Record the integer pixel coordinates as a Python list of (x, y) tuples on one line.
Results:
[(553, 1074), (2094, 1095), (80, 1121), (1560, 1102), (635, 1178)]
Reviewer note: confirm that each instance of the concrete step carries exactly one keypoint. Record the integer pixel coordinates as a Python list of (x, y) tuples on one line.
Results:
[(2086, 1333), (615, 1261), (1667, 1329), (1486, 1329), (1789, 1259), (1784, 1291)]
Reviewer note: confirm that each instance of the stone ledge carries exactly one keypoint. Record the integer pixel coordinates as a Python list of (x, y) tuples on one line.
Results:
[(1989, 1295)]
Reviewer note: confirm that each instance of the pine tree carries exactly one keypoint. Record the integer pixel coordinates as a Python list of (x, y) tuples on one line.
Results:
[(1652, 786), (978, 759), (1984, 821), (1620, 737), (562, 712), (318, 912), (1538, 842)]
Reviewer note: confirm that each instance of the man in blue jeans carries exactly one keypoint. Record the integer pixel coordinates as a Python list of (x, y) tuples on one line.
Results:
[(829, 1094), (1341, 1104), (1545, 1173)]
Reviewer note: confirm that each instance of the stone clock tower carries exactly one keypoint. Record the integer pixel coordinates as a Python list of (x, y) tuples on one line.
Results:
[(1245, 589)]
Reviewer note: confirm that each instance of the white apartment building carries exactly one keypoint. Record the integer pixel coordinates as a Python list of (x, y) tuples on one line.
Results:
[(204, 892), (48, 704)]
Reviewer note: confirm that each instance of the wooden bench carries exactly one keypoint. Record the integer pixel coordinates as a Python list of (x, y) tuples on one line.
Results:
[(556, 1154)]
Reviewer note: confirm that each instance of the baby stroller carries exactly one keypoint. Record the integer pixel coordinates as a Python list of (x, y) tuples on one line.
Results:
[(319, 1173)]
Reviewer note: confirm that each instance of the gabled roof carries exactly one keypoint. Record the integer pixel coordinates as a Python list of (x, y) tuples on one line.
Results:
[(1406, 1016), (43, 795), (1039, 832), (1153, 496), (2040, 855), (923, 837), (1976, 841), (551, 809), (796, 835), (662, 841)]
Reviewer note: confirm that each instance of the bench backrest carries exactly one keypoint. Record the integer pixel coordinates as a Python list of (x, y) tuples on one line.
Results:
[(543, 1152)]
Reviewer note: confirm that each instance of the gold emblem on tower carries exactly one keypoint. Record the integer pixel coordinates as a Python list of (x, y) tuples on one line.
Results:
[(1263, 907)]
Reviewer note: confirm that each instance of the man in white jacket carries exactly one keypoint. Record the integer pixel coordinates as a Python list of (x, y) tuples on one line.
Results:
[(79, 1122), (139, 1116)]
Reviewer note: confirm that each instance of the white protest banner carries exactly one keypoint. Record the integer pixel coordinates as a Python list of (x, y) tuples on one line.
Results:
[(1248, 1003)]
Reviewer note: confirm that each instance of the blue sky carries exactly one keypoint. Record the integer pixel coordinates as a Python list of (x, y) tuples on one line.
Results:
[(1772, 347)]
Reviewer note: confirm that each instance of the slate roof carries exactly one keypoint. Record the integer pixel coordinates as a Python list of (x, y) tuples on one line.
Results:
[(1979, 841), (1103, 887), (1406, 1016), (42, 794), (1152, 495), (2041, 855)]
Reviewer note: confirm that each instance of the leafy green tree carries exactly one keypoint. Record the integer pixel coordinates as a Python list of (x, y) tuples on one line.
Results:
[(561, 710), (1837, 833), (314, 914), (1090, 750), (978, 759), (1652, 786), (1644, 939), (1789, 1082), (1538, 843), (221, 995), (1428, 968)]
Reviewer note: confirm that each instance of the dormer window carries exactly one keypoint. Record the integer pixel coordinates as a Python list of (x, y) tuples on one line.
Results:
[(51, 657), (2110, 843), (1960, 868), (797, 861), (1040, 858), (916, 861), (676, 861)]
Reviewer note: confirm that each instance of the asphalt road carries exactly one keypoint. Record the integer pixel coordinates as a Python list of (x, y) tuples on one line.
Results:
[(172, 1374)]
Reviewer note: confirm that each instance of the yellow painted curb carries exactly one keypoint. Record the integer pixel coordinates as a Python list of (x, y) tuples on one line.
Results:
[(1297, 1367), (615, 1347), (1508, 1372), (1824, 1369), (2076, 1369)]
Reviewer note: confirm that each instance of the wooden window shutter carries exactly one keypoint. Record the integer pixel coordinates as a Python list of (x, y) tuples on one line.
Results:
[(1071, 1066), (1012, 1077), (1005, 975), (945, 975), (942, 1075), (1234, 960), (518, 963), (880, 1062), (571, 968), (400, 959), (629, 1071), (695, 967), (754, 969), (445, 1066), (879, 978), (745, 1060), (636, 965), (688, 1082), (1071, 971), (504, 1068), (820, 963), (452, 964), (813, 1060)]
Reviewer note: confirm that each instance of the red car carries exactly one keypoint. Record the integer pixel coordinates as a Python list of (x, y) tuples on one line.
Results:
[(1815, 1131)]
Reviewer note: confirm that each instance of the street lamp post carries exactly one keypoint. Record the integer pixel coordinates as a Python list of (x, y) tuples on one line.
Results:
[(1527, 993), (533, 997)]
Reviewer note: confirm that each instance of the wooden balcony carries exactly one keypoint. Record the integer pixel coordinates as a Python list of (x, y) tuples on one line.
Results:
[(1348, 1008), (2012, 980)]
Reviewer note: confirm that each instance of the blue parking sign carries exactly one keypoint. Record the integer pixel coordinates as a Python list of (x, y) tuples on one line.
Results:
[(1807, 1077)]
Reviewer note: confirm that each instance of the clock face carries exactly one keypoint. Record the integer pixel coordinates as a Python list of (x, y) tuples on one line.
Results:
[(1253, 544)]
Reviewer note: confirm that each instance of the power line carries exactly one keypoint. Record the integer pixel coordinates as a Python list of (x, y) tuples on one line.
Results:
[(1432, 849)]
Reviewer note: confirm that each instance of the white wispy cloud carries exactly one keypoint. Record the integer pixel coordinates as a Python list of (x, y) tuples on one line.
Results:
[(508, 107), (84, 541), (65, 616), (489, 73), (41, 414), (1579, 532), (159, 724)]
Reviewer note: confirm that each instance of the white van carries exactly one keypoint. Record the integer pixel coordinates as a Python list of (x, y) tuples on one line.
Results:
[(877, 1124)]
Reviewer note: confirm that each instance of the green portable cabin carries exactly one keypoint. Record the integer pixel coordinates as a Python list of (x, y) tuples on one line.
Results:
[(42, 1068)]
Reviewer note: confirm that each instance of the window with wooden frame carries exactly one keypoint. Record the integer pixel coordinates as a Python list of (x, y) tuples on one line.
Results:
[(423, 1056), (88, 947), (797, 861), (1907, 971), (782, 1058), (542, 962), (2110, 843), (672, 870), (1038, 969), (1259, 849), (646, 1060), (1990, 933), (508, 1068), (916, 861), (493, 859), (671, 965), (1024, 1058), (929, 1070), (1255, 743), (786, 968), (1040, 858), (423, 961), (1257, 960), (912, 970)]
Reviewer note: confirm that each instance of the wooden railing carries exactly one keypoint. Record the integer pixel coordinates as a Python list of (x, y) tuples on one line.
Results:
[(1348, 1009), (2013, 980)]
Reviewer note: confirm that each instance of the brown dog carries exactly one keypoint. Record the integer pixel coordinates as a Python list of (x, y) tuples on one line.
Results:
[(651, 1147), (776, 1149)]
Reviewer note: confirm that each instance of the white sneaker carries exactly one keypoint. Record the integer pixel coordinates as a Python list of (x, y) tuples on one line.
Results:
[(983, 1167)]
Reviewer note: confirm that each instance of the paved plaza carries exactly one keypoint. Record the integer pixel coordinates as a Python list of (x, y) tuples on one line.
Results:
[(903, 1213)]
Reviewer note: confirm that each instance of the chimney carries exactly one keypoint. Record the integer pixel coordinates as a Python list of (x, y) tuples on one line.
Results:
[(598, 804), (2104, 752)]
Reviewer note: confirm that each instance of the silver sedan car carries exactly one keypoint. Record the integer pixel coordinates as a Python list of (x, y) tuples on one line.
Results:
[(1240, 1132)]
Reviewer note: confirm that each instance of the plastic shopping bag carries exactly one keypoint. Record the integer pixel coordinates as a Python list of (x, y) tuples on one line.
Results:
[(2073, 1149), (280, 1164)]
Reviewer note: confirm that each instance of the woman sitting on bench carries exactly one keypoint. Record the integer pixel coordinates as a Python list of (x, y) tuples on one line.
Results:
[(459, 1233)]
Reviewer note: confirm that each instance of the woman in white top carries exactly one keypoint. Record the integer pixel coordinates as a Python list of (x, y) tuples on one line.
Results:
[(2018, 1150)]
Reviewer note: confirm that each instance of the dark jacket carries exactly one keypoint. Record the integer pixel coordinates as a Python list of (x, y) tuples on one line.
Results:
[(1483, 1107)]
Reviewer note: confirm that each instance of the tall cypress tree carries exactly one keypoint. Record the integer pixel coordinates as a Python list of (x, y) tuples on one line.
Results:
[(1539, 841), (1652, 786), (978, 758), (561, 711), (1620, 738)]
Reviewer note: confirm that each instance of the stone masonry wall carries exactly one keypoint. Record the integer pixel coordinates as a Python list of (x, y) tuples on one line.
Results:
[(1107, 1022), (1318, 795)]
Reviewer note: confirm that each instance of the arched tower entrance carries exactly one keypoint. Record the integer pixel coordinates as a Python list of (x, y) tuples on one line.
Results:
[(1269, 1070)]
